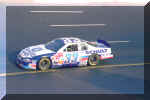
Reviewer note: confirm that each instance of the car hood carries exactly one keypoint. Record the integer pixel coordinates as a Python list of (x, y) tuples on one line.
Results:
[(34, 51)]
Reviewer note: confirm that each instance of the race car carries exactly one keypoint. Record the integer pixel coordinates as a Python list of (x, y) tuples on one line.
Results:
[(64, 52)]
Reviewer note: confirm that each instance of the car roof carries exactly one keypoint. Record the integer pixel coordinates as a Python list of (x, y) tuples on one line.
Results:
[(71, 40)]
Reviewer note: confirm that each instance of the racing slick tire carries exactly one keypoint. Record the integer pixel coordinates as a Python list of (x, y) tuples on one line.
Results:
[(93, 59), (44, 64)]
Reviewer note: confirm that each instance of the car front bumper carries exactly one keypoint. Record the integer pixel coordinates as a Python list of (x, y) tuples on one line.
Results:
[(25, 65)]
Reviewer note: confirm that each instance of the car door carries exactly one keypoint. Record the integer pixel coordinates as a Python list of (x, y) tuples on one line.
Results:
[(71, 55), (83, 57)]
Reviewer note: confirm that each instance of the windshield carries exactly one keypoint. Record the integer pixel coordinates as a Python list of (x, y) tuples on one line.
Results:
[(55, 45)]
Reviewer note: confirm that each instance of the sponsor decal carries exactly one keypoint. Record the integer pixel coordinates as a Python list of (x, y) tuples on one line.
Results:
[(28, 51), (24, 53), (70, 40), (71, 58), (60, 62), (58, 55), (32, 65), (58, 58), (96, 51), (106, 56), (84, 58), (36, 49)]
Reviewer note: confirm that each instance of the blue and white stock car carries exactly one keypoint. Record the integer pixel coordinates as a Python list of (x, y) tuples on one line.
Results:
[(60, 52)]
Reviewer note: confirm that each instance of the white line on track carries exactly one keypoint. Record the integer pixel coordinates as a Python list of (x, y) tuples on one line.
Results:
[(80, 12), (84, 68), (2, 74), (118, 41), (114, 65), (76, 25)]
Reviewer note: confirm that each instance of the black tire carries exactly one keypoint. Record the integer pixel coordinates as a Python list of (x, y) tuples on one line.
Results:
[(44, 64), (93, 60)]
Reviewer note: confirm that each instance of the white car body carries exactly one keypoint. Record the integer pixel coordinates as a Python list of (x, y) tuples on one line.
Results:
[(81, 50)]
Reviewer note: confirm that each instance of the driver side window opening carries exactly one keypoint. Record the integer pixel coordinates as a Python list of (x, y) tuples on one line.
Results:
[(84, 47), (71, 48)]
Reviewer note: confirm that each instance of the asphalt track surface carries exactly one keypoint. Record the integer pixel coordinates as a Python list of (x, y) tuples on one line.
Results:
[(30, 25)]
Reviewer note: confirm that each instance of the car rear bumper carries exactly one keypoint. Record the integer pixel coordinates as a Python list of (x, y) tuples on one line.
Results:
[(106, 56)]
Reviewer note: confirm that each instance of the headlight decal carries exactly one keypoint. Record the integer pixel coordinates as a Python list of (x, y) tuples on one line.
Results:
[(27, 60)]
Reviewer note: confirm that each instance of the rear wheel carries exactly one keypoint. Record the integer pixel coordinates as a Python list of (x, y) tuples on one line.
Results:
[(44, 64), (93, 59)]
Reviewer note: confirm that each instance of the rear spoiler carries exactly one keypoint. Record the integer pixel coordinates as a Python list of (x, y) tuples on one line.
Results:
[(104, 42)]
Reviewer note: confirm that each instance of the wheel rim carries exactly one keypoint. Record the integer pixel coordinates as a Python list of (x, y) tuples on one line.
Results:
[(44, 64), (93, 60)]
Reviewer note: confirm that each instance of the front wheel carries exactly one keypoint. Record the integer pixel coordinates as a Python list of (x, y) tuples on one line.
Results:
[(93, 59), (44, 64)]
